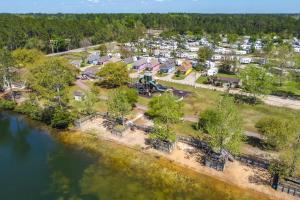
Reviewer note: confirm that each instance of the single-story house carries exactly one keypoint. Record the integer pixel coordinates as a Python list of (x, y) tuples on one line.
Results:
[(152, 65), (186, 68), (91, 72), (167, 67), (225, 82), (79, 96), (216, 57), (140, 64), (76, 63), (245, 60), (212, 71), (94, 58), (104, 60), (129, 62)]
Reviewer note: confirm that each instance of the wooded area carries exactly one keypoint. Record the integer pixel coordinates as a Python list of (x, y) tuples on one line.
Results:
[(65, 31)]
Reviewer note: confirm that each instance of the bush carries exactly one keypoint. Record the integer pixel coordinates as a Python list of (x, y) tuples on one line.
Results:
[(30, 109), (61, 118), (7, 105)]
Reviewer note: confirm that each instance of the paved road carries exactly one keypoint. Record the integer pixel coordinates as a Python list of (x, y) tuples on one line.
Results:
[(73, 51), (270, 99)]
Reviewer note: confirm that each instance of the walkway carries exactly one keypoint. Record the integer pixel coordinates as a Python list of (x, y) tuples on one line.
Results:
[(270, 99)]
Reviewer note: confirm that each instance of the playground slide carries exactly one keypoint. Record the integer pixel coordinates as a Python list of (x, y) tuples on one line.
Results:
[(157, 87)]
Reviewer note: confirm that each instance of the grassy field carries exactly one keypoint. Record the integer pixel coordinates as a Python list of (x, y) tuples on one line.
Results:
[(226, 75), (202, 99)]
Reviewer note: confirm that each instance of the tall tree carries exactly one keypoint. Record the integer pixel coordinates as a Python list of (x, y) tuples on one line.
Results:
[(204, 54), (224, 125)]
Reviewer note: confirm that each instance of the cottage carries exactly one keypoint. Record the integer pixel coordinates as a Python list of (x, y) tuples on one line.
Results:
[(186, 68), (79, 96), (168, 67), (152, 65), (104, 60), (140, 64), (91, 72), (225, 82), (76, 63), (245, 60), (94, 58)]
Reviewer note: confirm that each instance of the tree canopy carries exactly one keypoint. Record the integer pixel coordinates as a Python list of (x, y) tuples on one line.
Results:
[(224, 125)]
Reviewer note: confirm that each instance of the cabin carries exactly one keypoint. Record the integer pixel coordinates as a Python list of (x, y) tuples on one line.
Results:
[(245, 60), (79, 96), (91, 72), (140, 65), (186, 68), (104, 60), (225, 82), (76, 63), (168, 67), (94, 58), (152, 65)]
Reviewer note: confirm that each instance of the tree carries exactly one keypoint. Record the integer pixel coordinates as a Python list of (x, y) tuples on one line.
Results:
[(125, 53), (256, 81), (86, 106), (52, 78), (204, 54), (7, 70), (35, 43), (132, 95), (61, 118), (118, 105), (278, 132), (232, 38), (162, 132), (165, 108), (114, 75), (103, 49), (27, 57), (224, 125)]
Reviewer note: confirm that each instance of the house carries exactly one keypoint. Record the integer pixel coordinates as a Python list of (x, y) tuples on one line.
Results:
[(152, 65), (91, 72), (94, 58), (186, 68), (240, 52), (140, 64), (216, 57), (79, 96), (210, 64), (168, 67), (104, 60), (297, 49), (225, 82), (76, 63), (129, 62), (245, 60), (212, 71)]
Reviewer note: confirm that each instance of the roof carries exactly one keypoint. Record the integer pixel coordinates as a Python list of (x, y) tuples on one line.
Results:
[(79, 94), (104, 59), (168, 64), (91, 71), (94, 57), (139, 62), (186, 65), (128, 60)]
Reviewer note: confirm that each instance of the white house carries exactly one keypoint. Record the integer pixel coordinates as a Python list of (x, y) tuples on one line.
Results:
[(297, 49), (210, 64), (240, 52), (212, 72), (216, 57), (245, 60)]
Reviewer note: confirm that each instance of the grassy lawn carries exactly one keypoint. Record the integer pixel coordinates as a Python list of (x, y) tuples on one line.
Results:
[(290, 87), (202, 99), (179, 77), (143, 101), (222, 75), (202, 80), (161, 74)]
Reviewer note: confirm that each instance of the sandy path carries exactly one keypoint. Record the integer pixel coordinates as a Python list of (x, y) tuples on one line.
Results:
[(236, 173)]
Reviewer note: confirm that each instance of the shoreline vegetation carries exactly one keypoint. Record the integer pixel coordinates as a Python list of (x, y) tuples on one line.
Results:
[(166, 171), (134, 154)]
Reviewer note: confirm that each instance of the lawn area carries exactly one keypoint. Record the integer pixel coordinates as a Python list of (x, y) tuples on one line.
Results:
[(178, 77), (202, 99), (290, 87), (226, 75), (161, 74), (202, 80), (143, 101)]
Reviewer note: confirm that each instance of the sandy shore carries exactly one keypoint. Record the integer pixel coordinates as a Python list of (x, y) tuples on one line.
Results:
[(235, 173)]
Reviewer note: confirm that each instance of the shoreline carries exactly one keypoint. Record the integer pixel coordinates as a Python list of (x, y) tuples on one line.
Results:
[(225, 177)]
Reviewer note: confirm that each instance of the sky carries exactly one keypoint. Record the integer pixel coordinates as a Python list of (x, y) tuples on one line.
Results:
[(146, 6)]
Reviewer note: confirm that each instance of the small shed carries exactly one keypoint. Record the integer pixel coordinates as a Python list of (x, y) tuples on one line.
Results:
[(79, 96)]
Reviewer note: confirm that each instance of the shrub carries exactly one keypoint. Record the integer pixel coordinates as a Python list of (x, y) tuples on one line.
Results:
[(61, 118), (30, 109), (7, 105)]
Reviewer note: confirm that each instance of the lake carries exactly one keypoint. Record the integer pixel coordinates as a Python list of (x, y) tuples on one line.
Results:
[(36, 165)]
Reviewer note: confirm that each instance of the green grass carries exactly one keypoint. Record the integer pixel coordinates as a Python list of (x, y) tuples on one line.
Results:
[(161, 74), (202, 80), (179, 77), (291, 87), (202, 99), (223, 75)]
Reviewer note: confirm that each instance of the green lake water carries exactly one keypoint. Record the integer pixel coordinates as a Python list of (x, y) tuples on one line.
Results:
[(34, 165)]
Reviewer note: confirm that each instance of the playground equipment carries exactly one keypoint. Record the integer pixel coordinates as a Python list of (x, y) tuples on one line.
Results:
[(147, 85)]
